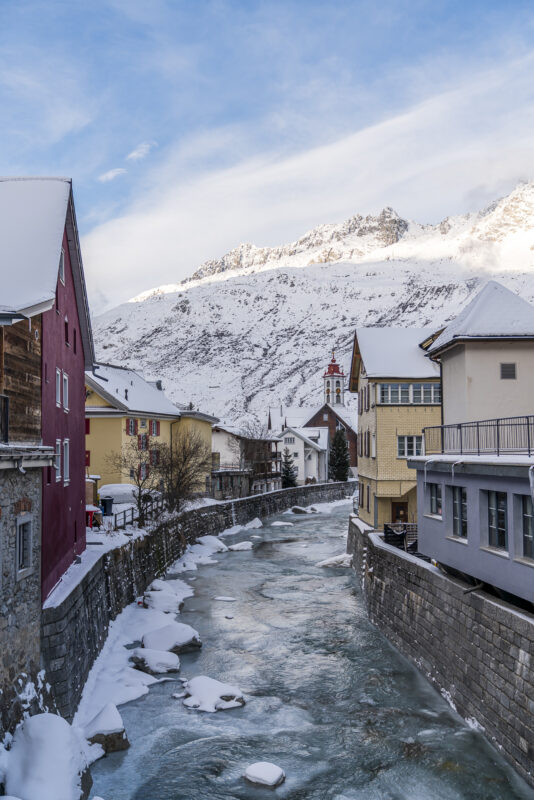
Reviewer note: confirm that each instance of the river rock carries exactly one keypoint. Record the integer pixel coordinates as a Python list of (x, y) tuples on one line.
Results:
[(207, 694), (154, 662), (265, 773), (175, 637), (298, 510), (107, 730)]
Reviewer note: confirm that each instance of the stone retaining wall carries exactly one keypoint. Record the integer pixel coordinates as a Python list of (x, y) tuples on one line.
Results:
[(74, 632), (474, 647)]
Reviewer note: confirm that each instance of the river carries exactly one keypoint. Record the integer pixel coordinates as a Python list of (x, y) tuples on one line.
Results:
[(328, 698)]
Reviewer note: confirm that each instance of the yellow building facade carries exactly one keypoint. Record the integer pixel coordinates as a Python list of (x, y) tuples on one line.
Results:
[(121, 408), (399, 394)]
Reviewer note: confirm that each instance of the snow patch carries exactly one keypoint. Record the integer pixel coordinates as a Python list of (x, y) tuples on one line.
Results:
[(176, 637), (241, 546), (343, 560), (207, 694), (155, 662), (265, 773)]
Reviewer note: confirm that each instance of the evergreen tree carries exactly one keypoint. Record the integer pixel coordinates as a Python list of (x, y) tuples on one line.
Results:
[(289, 473), (339, 461)]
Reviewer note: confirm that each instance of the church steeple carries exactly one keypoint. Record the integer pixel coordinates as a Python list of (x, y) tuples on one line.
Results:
[(334, 383)]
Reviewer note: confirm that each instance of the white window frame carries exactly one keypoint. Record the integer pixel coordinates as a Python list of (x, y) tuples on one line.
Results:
[(402, 445), (384, 393), (373, 445), (66, 462), (27, 567), (143, 471), (57, 463), (65, 392), (154, 427), (131, 426), (142, 423), (58, 387), (289, 440), (62, 266)]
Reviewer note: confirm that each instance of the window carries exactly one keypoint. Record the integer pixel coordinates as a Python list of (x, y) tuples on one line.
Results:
[(435, 499), (154, 457), (508, 372), (367, 499), (154, 427), (132, 473), (142, 422), (143, 471), (295, 455), (65, 392), (384, 393), (373, 445), (143, 441), (131, 427), (66, 462), (409, 446), (405, 392), (289, 440), (417, 393), (87, 458), (459, 511), (498, 520), (66, 331), (325, 417), (87, 427), (528, 527), (58, 387), (360, 494), (57, 461), (62, 267), (24, 544)]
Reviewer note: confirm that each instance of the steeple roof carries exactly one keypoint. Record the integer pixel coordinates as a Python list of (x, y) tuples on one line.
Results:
[(494, 313), (333, 368)]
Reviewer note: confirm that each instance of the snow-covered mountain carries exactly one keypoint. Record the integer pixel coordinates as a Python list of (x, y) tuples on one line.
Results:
[(255, 327)]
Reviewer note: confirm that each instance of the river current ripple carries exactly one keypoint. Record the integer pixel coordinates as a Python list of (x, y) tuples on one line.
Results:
[(328, 698)]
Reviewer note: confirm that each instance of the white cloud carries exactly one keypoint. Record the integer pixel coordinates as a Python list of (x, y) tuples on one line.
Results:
[(449, 154), (141, 151), (111, 174)]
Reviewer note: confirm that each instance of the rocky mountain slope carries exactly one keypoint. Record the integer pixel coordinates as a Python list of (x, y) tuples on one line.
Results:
[(256, 327)]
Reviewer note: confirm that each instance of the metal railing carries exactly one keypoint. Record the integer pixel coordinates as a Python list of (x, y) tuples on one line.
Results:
[(502, 436), (123, 518)]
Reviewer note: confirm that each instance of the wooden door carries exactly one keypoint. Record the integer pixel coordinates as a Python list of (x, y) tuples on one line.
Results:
[(399, 512)]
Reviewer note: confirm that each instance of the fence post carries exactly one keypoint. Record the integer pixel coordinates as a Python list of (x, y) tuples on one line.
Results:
[(528, 434), (478, 438), (461, 440), (498, 441)]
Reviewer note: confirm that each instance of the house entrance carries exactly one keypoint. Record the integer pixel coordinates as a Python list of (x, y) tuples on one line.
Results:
[(399, 512)]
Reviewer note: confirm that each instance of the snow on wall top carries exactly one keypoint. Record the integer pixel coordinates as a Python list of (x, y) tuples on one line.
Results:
[(395, 353), (32, 220), (494, 311), (129, 391)]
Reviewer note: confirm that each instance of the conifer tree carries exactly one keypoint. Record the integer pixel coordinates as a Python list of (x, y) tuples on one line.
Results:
[(289, 472), (339, 461)]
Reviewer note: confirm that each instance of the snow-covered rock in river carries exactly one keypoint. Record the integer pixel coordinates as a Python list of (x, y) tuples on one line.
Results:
[(241, 546), (343, 560), (299, 510), (176, 637), (167, 602), (107, 730), (225, 599), (47, 761), (155, 662), (207, 694), (265, 773), (214, 543), (280, 524), (254, 523)]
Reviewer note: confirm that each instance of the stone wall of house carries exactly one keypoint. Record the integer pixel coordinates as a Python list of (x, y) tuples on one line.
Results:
[(21, 686), (476, 648), (74, 632)]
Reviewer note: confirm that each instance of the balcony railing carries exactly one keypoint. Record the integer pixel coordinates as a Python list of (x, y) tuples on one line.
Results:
[(503, 436)]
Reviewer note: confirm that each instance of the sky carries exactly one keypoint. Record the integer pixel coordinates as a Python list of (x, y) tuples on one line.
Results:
[(190, 126)]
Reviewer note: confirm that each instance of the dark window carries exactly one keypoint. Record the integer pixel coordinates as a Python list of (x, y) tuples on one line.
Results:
[(435, 498), (87, 458), (87, 427), (49, 474), (498, 520), (459, 511), (528, 527), (66, 332), (508, 372), (24, 545)]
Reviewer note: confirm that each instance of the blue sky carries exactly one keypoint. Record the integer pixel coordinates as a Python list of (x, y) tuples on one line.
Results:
[(189, 127)]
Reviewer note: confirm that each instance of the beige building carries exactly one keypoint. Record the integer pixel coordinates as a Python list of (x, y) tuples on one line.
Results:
[(487, 357), (399, 394)]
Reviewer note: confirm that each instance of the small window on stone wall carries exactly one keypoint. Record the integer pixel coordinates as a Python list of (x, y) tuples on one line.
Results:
[(24, 545)]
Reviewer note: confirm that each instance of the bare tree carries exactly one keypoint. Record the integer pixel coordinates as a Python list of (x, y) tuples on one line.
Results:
[(140, 467), (183, 466)]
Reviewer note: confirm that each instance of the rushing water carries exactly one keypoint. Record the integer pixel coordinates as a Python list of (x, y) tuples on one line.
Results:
[(328, 698)]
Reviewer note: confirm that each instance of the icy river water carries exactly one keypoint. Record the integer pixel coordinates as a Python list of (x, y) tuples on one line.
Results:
[(328, 698)]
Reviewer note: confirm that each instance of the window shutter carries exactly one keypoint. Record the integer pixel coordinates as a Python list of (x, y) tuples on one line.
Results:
[(87, 458), (367, 392), (127, 426), (139, 442), (87, 426), (136, 424), (157, 428)]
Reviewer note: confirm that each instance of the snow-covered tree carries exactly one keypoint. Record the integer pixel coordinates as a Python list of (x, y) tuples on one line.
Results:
[(339, 461), (289, 472)]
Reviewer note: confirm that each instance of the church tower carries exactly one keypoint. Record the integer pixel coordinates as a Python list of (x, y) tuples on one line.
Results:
[(334, 383)]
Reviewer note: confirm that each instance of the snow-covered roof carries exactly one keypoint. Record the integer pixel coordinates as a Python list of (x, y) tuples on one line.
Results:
[(494, 312), (298, 417), (128, 391), (313, 437), (235, 430), (32, 220), (395, 353), (348, 416)]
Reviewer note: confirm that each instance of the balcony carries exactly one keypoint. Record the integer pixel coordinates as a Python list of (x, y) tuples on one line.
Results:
[(503, 436)]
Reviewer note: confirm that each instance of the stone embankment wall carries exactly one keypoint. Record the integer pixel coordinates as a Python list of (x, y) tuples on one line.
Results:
[(74, 632), (476, 649)]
